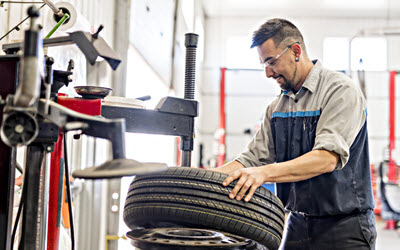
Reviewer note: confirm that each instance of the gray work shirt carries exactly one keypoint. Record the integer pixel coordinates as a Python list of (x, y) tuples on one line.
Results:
[(328, 112)]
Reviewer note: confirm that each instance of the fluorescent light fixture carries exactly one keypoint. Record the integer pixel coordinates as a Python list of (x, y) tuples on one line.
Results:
[(344, 4)]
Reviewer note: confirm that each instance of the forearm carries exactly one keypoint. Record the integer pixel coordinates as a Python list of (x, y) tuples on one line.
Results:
[(309, 165), (304, 167), (229, 167)]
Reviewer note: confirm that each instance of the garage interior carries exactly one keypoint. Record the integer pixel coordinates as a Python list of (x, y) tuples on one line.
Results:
[(192, 94)]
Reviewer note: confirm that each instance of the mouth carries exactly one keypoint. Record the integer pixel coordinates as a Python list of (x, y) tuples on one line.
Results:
[(279, 79)]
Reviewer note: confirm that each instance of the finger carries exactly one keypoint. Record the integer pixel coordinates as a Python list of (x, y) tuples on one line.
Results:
[(237, 187), (251, 192), (231, 178), (244, 189)]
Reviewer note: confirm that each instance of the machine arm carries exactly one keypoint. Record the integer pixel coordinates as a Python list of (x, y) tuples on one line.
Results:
[(112, 130)]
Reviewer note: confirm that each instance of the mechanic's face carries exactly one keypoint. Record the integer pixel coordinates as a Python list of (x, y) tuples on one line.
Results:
[(279, 63)]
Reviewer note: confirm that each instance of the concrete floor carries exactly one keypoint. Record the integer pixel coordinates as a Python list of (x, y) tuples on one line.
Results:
[(387, 239)]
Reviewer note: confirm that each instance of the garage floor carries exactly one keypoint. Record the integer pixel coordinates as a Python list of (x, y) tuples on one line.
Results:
[(387, 239)]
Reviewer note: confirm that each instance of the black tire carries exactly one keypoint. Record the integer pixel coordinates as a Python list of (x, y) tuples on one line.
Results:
[(191, 197)]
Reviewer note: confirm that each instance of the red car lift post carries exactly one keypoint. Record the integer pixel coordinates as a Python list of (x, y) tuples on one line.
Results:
[(392, 175), (392, 172), (222, 122)]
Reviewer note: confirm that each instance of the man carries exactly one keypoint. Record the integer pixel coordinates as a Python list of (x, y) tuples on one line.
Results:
[(313, 143)]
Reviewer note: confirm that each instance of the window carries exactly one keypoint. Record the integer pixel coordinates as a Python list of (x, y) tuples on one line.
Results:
[(336, 53), (367, 53)]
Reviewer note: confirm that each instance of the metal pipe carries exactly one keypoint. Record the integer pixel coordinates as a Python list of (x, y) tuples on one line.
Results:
[(45, 202), (28, 89), (53, 7), (61, 22), (186, 158)]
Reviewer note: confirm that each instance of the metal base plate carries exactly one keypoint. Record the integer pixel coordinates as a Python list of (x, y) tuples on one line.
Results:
[(119, 168)]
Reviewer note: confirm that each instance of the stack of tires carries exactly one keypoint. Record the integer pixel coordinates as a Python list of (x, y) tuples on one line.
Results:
[(195, 198)]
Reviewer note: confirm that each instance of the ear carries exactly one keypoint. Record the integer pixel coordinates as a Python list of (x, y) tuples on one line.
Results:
[(297, 50)]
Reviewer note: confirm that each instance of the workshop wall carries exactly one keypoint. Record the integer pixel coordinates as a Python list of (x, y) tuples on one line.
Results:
[(165, 56), (95, 13), (152, 33), (248, 92)]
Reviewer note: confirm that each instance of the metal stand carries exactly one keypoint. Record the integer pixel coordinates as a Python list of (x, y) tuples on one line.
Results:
[(29, 232), (191, 41), (172, 116)]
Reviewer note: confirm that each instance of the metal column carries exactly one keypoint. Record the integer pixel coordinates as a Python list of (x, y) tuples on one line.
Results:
[(29, 233)]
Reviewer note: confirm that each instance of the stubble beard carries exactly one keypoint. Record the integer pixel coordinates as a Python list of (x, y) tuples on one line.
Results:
[(289, 84)]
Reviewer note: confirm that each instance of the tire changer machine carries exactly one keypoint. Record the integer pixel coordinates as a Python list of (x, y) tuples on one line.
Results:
[(30, 116)]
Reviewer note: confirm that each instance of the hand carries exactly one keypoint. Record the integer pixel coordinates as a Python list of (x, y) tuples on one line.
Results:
[(248, 178)]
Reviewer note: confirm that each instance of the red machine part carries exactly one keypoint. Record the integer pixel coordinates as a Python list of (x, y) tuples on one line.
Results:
[(85, 106), (55, 194), (378, 203), (57, 182)]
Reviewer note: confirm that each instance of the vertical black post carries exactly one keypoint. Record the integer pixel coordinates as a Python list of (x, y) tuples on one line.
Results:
[(34, 159), (191, 41)]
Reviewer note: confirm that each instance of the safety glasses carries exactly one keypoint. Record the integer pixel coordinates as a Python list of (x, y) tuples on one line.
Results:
[(272, 62)]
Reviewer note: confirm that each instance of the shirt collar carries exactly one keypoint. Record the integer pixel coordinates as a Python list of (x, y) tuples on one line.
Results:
[(312, 78)]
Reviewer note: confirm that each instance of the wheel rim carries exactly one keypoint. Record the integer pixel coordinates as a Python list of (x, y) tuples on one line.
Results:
[(186, 238)]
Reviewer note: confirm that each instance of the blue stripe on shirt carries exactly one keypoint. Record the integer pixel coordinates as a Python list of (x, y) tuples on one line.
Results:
[(297, 114)]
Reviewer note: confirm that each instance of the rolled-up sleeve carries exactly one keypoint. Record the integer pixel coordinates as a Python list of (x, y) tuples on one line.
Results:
[(342, 116), (260, 150)]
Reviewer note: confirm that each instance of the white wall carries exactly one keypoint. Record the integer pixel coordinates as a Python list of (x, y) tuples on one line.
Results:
[(95, 11), (92, 13), (248, 93)]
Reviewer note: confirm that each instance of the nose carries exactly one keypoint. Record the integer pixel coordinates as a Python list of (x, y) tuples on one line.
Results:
[(269, 72)]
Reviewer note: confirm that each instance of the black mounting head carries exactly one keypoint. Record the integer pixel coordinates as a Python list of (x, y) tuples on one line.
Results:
[(33, 12)]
